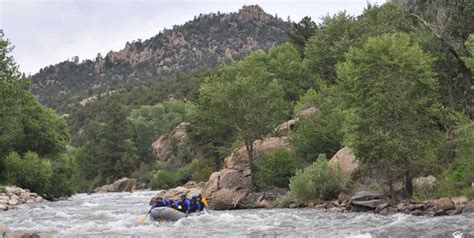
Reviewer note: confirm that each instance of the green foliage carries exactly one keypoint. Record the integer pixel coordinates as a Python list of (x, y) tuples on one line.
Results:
[(319, 134), (329, 44), (301, 32), (316, 182), (150, 121), (393, 95), (458, 178), (470, 47), (29, 172), (107, 153), (164, 179), (275, 169), (62, 179)]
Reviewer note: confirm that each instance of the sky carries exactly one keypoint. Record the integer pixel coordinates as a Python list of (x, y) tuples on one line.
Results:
[(46, 32)]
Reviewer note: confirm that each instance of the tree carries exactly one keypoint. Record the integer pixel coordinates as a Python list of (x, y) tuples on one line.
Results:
[(108, 152), (450, 22), (329, 44), (301, 32), (392, 94), (244, 96)]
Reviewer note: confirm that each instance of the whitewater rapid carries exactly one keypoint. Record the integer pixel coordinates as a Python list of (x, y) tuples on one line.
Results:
[(117, 215)]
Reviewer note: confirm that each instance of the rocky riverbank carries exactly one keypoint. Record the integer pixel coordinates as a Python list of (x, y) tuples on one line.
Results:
[(378, 203), (11, 196)]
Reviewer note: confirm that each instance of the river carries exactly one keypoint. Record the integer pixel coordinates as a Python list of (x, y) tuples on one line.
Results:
[(117, 215)]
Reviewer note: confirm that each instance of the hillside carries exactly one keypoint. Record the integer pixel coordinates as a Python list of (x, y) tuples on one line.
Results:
[(199, 43)]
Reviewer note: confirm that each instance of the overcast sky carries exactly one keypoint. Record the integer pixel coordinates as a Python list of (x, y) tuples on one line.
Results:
[(46, 32)]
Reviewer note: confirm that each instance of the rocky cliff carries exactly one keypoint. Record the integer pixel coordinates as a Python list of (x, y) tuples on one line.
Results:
[(202, 42)]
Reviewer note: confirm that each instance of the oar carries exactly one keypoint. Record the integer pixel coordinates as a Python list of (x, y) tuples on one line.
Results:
[(142, 219)]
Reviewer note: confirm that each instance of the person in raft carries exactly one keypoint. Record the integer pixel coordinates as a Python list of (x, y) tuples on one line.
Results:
[(183, 204)]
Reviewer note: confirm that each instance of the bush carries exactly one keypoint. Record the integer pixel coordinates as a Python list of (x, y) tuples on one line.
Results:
[(63, 172), (319, 134), (275, 169), (165, 179), (318, 181), (458, 178), (29, 172)]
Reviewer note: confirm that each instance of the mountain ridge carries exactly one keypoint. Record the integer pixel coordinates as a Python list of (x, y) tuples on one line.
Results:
[(202, 42)]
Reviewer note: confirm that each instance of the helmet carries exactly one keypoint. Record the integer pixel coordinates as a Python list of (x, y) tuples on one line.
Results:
[(183, 196), (199, 196)]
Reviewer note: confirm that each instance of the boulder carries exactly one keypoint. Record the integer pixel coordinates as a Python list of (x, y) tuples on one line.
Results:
[(367, 195), (468, 209), (422, 183), (5, 231), (460, 200), (190, 189), (124, 185), (346, 160), (286, 128), (239, 157), (226, 188), (3, 207), (13, 202), (164, 145), (381, 207), (121, 185), (443, 204), (306, 113), (370, 203)]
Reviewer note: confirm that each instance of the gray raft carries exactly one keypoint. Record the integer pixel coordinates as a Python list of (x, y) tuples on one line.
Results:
[(166, 214)]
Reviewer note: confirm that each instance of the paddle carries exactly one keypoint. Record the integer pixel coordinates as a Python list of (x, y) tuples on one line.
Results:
[(142, 219)]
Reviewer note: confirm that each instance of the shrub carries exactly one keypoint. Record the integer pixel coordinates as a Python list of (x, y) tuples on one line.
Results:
[(164, 179), (63, 172), (319, 134), (458, 178), (275, 169), (318, 181), (29, 172)]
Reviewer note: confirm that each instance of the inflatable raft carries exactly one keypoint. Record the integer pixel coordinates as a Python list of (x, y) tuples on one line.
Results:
[(166, 214)]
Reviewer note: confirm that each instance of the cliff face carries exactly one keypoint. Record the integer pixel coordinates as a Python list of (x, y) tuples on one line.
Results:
[(201, 42)]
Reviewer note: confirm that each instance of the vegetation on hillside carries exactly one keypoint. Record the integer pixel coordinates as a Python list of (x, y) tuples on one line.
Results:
[(387, 84)]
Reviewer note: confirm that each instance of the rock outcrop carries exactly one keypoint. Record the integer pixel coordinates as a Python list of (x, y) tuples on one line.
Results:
[(164, 145), (287, 127), (423, 183), (13, 196), (121, 185)]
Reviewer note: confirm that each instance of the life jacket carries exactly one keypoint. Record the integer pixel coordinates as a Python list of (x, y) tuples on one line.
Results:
[(183, 205), (196, 205)]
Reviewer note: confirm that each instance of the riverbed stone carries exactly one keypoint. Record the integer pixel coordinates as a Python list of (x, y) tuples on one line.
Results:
[(3, 207), (367, 195), (460, 200), (381, 207), (39, 199), (370, 203), (443, 204), (468, 208), (13, 202)]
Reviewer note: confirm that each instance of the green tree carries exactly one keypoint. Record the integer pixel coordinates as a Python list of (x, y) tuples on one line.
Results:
[(275, 169), (108, 152), (392, 93), (301, 32), (243, 96), (329, 44)]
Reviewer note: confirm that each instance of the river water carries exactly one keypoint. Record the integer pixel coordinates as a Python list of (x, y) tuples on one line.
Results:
[(117, 215)]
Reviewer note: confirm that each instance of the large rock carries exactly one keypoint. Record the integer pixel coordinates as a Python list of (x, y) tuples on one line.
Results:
[(346, 160), (423, 183), (370, 203), (121, 185), (5, 231), (286, 128), (306, 113), (367, 195), (443, 204), (226, 188), (164, 145), (462, 200), (190, 189), (239, 158)]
